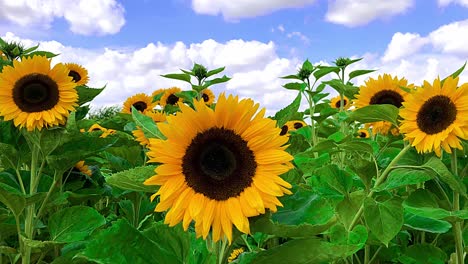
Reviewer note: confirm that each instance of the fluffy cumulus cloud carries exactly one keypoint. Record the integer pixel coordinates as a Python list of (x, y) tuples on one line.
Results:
[(403, 45), (233, 10), (356, 13), (447, 2), (86, 17)]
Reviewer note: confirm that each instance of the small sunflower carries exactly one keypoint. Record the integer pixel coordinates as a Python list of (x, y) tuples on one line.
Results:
[(208, 96), (363, 133), (96, 127), (156, 93), (381, 127), (384, 90), (284, 130), (336, 102), (139, 135), (169, 97), (142, 102), (78, 73), (219, 167), (34, 95), (235, 254), (295, 124), (108, 132), (83, 168), (436, 116)]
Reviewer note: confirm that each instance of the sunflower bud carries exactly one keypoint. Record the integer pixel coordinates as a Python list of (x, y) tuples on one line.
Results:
[(199, 71), (342, 62)]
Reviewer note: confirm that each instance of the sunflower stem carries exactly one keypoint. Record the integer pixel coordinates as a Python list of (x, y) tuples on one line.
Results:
[(457, 226), (378, 182), (220, 250)]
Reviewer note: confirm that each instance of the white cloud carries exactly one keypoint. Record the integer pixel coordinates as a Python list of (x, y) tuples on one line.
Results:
[(403, 45), (85, 17), (234, 10), (451, 38), (281, 28), (447, 2), (299, 35), (360, 12)]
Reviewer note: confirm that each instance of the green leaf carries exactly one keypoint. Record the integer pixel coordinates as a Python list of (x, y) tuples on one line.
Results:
[(375, 113), (217, 81), (8, 156), (358, 146), (324, 70), (424, 254), (74, 223), (336, 178), (285, 114), (86, 94), (426, 224), (122, 243), (215, 71), (12, 199), (133, 179), (145, 123), (295, 86), (347, 89), (423, 203), (28, 50), (307, 65), (178, 76), (348, 208), (403, 176), (47, 54), (357, 73), (384, 219), (456, 73), (436, 165), (308, 164), (293, 76)]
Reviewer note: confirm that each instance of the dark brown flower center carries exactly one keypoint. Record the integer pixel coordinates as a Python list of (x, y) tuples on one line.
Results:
[(75, 75), (436, 114), (140, 106), (35, 92), (387, 97), (363, 134), (219, 164), (298, 125), (205, 97), (338, 103), (284, 130), (172, 99)]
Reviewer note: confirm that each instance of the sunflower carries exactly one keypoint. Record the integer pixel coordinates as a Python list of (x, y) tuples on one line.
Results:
[(108, 132), (138, 133), (219, 167), (363, 133), (336, 102), (169, 97), (235, 253), (83, 168), (78, 73), (96, 127), (156, 93), (142, 102), (35, 96), (284, 130), (295, 124), (436, 116), (384, 90), (208, 96)]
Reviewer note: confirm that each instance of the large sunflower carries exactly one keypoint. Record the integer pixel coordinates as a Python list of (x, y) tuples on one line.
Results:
[(219, 167), (142, 102), (384, 90), (78, 73), (336, 102), (436, 116), (169, 97), (35, 96), (208, 96), (139, 135)]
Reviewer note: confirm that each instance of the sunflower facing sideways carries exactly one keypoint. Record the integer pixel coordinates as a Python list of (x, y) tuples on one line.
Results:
[(336, 102), (363, 133), (219, 167), (34, 95), (169, 97), (83, 168), (208, 96), (78, 73), (142, 102), (436, 116)]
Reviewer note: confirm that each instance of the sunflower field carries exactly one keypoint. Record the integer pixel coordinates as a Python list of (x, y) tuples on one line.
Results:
[(374, 175)]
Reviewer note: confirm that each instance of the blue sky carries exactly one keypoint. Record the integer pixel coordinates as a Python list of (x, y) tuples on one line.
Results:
[(153, 37)]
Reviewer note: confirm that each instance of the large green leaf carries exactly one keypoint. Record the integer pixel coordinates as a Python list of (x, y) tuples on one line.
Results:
[(178, 76), (384, 219), (215, 71), (12, 199), (445, 175), (348, 208), (357, 73), (286, 113), (86, 94), (338, 179), (122, 243), (423, 253), (147, 125), (133, 179), (375, 113), (423, 203), (74, 223), (402, 177), (426, 224)]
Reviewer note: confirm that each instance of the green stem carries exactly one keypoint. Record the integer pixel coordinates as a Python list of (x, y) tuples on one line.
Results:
[(378, 181), (457, 226), (46, 199), (244, 237), (375, 255), (366, 254), (220, 250)]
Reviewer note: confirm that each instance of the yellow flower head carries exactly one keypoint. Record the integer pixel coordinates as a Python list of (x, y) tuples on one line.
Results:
[(363, 133), (336, 102), (208, 96), (142, 102), (219, 167), (34, 95), (170, 97), (78, 73), (436, 116), (83, 168)]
